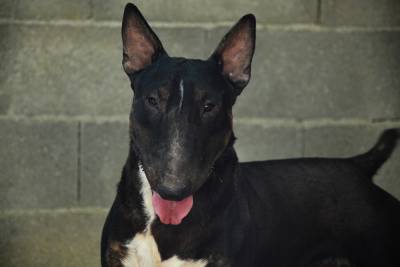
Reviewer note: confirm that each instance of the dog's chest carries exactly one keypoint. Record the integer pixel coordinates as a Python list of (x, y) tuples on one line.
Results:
[(142, 250)]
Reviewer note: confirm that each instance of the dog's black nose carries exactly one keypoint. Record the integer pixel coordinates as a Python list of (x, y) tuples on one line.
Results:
[(172, 192)]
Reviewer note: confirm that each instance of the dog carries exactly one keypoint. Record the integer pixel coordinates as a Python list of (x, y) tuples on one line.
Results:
[(184, 200)]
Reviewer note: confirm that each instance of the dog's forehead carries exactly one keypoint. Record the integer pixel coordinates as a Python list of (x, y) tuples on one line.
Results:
[(168, 73)]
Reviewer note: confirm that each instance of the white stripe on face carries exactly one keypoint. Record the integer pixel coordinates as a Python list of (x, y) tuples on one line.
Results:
[(181, 91)]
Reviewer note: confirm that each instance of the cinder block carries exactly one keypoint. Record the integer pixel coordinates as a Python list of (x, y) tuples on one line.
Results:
[(369, 13), (51, 238), (5, 102), (184, 42), (38, 162), (53, 9), (5, 70), (7, 8), (339, 140), (262, 142), (75, 70), (272, 11), (328, 74), (351, 140), (105, 148), (72, 70)]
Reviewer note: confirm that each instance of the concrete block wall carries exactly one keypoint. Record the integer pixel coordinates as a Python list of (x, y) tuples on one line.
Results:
[(326, 82)]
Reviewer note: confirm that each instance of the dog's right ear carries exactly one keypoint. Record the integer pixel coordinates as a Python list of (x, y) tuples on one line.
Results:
[(141, 46)]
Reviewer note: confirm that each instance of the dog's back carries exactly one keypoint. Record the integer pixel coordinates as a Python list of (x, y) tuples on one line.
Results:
[(315, 207)]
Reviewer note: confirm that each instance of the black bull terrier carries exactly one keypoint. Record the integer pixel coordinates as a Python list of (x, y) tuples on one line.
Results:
[(184, 200)]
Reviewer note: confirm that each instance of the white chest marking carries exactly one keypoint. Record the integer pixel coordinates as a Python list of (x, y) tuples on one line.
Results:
[(181, 94), (146, 195), (176, 262), (143, 252)]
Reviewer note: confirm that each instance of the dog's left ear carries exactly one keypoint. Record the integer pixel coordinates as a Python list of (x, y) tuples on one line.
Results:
[(235, 52), (141, 46)]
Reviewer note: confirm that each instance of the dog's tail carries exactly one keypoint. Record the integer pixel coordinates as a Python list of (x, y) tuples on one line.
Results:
[(372, 160)]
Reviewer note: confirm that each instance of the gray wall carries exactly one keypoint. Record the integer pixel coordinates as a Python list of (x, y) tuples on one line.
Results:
[(326, 81)]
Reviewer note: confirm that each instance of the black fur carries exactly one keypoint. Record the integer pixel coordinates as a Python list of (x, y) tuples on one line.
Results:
[(280, 213)]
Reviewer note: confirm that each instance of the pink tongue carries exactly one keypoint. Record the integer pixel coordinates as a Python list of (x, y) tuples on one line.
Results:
[(171, 212)]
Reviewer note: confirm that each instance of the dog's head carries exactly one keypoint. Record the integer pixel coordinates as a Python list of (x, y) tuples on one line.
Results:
[(181, 118)]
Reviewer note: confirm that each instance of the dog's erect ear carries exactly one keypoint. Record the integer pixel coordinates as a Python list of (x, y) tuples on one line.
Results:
[(141, 46), (235, 52)]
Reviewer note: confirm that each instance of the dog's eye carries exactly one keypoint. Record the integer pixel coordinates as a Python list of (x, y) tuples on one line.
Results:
[(208, 107), (151, 100)]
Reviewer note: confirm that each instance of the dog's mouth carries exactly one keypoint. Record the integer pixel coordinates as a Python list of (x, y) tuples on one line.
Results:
[(172, 211), (169, 211)]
